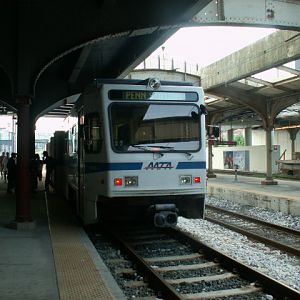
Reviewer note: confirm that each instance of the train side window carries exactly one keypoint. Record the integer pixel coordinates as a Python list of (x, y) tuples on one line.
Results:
[(92, 131)]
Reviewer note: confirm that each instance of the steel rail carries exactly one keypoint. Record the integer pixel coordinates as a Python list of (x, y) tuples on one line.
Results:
[(269, 285), (254, 236), (252, 219), (153, 279), (167, 291)]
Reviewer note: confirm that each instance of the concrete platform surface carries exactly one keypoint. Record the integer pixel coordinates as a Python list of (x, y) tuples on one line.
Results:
[(283, 197), (27, 269), (55, 260)]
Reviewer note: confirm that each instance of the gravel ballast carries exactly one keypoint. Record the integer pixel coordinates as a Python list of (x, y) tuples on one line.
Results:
[(256, 255), (264, 214)]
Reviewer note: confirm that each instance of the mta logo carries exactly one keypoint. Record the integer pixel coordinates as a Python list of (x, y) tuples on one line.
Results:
[(159, 165)]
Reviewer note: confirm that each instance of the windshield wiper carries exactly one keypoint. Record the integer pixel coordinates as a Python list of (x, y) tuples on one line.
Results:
[(151, 148), (155, 149), (160, 147), (140, 147), (188, 154)]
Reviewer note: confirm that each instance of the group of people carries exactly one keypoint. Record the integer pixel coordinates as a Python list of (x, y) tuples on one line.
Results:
[(3, 165), (36, 170), (8, 170), (36, 167)]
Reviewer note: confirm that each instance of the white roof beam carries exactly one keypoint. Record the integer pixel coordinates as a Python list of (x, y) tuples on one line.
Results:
[(274, 50), (289, 70), (266, 13)]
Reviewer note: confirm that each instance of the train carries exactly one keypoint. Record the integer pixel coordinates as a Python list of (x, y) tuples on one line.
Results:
[(134, 149)]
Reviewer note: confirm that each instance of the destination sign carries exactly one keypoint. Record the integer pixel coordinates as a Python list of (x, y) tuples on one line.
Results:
[(147, 95)]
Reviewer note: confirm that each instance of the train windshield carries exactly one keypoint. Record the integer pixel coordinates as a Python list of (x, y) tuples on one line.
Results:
[(140, 127)]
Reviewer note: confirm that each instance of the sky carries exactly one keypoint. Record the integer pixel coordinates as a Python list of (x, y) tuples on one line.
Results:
[(207, 44), (196, 45), (49, 125)]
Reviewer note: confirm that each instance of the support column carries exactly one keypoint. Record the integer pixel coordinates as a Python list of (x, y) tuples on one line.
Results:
[(248, 136), (210, 172), (230, 135), (269, 155), (23, 201), (293, 133), (32, 137)]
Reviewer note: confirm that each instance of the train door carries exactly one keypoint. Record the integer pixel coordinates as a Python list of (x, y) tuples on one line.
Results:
[(81, 166)]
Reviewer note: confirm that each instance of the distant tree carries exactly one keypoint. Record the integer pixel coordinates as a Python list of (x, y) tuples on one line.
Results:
[(240, 140)]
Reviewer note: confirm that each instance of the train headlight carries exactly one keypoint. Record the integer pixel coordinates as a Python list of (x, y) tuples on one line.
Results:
[(131, 181), (154, 83), (185, 179)]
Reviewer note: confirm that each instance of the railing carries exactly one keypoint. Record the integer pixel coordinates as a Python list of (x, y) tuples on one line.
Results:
[(278, 161), (162, 63), (282, 155)]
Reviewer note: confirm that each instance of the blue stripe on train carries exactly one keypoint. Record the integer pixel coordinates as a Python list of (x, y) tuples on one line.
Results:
[(91, 167), (101, 167), (191, 165)]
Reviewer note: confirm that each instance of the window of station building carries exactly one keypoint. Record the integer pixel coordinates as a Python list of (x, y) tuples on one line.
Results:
[(92, 133)]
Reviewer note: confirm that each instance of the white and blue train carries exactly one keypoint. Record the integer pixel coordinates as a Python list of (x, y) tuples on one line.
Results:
[(137, 148)]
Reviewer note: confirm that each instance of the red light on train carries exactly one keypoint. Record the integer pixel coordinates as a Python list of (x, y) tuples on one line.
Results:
[(197, 179), (118, 181)]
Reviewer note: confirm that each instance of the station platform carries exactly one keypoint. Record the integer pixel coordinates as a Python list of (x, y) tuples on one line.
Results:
[(53, 260), (283, 197)]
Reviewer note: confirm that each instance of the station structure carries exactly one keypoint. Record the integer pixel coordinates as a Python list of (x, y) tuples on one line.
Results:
[(44, 67), (47, 59), (245, 99)]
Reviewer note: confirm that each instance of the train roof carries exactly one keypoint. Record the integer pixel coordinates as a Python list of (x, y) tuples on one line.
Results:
[(140, 82), (97, 83)]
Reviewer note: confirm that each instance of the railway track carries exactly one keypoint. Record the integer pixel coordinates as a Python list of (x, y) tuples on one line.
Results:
[(279, 237), (176, 266)]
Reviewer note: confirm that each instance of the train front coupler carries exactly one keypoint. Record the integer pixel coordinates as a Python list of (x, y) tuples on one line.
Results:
[(164, 215)]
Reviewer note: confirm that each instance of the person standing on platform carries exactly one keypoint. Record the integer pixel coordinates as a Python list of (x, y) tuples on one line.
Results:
[(4, 165), (11, 172), (49, 162), (40, 167), (1, 165), (35, 163)]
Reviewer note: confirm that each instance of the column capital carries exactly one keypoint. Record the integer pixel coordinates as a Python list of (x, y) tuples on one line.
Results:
[(269, 128), (293, 133), (23, 99)]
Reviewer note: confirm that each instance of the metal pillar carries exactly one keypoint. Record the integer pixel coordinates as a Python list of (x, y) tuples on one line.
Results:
[(31, 130), (248, 136), (269, 154), (230, 135), (293, 134), (210, 172), (23, 205)]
